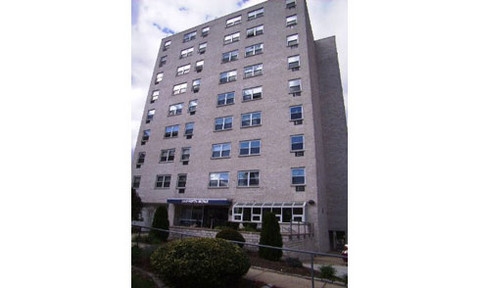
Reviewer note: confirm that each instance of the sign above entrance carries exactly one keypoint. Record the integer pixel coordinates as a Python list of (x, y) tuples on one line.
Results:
[(201, 201)]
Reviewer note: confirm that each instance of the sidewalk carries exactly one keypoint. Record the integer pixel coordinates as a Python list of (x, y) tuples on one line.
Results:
[(278, 280)]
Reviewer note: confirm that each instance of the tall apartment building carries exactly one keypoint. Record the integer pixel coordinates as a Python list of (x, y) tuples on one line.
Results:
[(245, 114)]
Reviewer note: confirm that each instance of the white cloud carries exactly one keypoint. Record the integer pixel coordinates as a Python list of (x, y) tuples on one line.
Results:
[(155, 17)]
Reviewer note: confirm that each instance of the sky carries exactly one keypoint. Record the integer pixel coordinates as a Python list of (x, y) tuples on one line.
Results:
[(152, 20)]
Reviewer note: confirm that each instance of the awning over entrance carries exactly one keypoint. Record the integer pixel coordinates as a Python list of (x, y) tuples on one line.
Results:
[(201, 201)]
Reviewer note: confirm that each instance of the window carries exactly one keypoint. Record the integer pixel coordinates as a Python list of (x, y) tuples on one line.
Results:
[(219, 179), (163, 61), (159, 78), (205, 31), (166, 45), (185, 154), (295, 87), (223, 123), (199, 66), (181, 180), (196, 85), (297, 143), (192, 106), (145, 137), (254, 70), (155, 95), (298, 214), (183, 69), (140, 159), (202, 47), (255, 14), (136, 182), (291, 21), (251, 119), (175, 109), (179, 88), (231, 38), (248, 178), (225, 98), (285, 212), (189, 36), (150, 115), (255, 31), (296, 113), (171, 131), (230, 56), (189, 130), (292, 41), (298, 176), (254, 50), (228, 76), (234, 21), (250, 147), (163, 181), (167, 155), (186, 52), (252, 93), (294, 62), (221, 150), (290, 3)]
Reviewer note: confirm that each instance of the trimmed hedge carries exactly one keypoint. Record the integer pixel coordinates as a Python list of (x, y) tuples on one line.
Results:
[(327, 272), (160, 220), (231, 234), (270, 235), (199, 262)]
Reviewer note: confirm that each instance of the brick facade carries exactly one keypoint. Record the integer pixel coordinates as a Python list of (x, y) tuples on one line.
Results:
[(323, 125)]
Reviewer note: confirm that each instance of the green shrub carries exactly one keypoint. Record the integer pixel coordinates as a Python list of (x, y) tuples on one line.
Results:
[(251, 227), (160, 220), (136, 254), (199, 262), (231, 234), (327, 272), (140, 280), (270, 235), (136, 229), (233, 225), (136, 206), (141, 239), (293, 262)]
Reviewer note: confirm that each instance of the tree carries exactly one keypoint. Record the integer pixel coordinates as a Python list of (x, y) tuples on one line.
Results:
[(270, 235), (160, 220), (137, 206)]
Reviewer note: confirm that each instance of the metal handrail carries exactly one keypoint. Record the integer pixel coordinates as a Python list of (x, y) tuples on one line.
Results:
[(311, 253)]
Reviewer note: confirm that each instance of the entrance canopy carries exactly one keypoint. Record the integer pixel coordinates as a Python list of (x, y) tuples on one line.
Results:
[(200, 201)]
